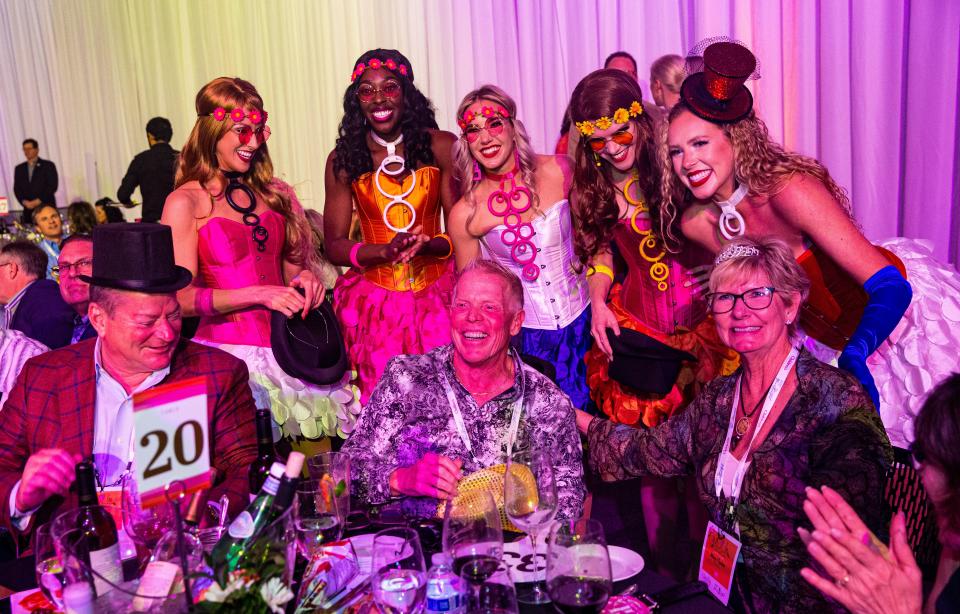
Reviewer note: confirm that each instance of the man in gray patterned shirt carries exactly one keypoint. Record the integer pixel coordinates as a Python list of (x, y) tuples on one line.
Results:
[(436, 417)]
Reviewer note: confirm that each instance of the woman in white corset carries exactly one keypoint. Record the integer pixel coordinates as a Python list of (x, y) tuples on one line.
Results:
[(515, 210)]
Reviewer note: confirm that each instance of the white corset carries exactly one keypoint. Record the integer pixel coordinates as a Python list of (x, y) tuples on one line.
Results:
[(559, 295)]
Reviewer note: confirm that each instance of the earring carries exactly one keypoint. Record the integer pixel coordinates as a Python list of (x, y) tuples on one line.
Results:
[(477, 175), (788, 322), (597, 158)]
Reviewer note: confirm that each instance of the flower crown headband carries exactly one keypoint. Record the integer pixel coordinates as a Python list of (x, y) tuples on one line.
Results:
[(732, 252), (485, 111), (376, 63), (620, 116), (237, 115)]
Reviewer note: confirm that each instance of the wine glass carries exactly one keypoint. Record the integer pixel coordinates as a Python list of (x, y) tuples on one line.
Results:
[(530, 501), (145, 526), (495, 594), (472, 534), (334, 469), (578, 567), (398, 574), (316, 516), (48, 565)]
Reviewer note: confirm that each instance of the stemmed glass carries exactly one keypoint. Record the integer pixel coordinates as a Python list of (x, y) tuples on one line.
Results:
[(145, 526), (316, 517), (495, 594), (578, 567), (530, 501), (399, 575), (472, 535), (48, 565)]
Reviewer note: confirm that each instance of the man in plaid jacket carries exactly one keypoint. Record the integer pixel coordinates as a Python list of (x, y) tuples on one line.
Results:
[(76, 402)]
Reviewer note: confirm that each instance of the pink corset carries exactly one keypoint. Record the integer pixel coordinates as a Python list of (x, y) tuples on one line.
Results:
[(228, 259), (669, 310)]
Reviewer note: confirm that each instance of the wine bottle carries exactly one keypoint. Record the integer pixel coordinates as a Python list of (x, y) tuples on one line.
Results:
[(229, 550), (288, 485), (97, 541), (194, 514), (266, 455)]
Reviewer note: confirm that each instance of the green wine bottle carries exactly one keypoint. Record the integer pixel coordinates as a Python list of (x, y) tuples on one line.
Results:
[(230, 549)]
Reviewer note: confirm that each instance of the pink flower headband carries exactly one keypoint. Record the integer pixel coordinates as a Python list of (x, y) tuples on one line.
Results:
[(376, 63), (238, 115), (485, 111)]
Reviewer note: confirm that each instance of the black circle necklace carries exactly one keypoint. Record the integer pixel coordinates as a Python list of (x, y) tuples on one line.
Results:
[(250, 218)]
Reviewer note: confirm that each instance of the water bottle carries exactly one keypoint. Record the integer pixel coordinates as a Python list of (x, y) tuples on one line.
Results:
[(445, 591)]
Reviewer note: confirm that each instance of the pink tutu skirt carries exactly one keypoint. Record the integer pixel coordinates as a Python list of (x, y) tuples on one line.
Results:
[(379, 324)]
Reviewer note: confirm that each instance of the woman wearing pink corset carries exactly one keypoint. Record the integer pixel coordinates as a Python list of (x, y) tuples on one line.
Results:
[(647, 311), (244, 236)]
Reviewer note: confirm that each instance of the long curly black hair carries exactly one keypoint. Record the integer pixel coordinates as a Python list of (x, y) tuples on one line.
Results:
[(353, 157)]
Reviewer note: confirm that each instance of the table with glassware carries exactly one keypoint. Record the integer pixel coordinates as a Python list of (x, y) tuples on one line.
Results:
[(472, 555)]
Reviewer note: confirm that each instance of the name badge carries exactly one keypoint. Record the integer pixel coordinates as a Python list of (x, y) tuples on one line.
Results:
[(718, 560)]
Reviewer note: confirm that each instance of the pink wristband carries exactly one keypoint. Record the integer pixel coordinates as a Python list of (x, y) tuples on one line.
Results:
[(353, 255), (203, 302)]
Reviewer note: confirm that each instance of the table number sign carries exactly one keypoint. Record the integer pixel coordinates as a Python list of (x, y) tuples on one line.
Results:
[(4, 206), (171, 436)]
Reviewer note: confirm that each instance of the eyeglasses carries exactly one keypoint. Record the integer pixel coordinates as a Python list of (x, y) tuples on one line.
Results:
[(620, 137), (493, 126), (755, 298), (78, 267), (390, 89), (245, 133)]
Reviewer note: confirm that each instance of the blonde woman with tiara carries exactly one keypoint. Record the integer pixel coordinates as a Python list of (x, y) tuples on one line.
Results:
[(244, 236), (515, 210)]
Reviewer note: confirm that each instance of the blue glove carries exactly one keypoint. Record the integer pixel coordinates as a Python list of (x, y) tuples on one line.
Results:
[(889, 296)]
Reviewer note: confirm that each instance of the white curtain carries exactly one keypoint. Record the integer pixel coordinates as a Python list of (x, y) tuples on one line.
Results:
[(868, 86)]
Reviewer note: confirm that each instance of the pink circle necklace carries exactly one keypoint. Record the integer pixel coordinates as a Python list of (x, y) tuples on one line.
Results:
[(509, 202)]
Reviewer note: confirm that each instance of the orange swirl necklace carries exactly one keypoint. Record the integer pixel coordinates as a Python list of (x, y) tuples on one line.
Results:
[(659, 271)]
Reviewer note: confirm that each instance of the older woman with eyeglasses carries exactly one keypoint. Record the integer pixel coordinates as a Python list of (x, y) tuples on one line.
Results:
[(755, 440)]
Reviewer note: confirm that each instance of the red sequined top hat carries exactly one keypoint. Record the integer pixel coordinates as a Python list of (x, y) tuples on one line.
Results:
[(714, 89)]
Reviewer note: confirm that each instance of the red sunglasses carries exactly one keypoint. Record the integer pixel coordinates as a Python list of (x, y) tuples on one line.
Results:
[(493, 126), (620, 137), (390, 89), (245, 133)]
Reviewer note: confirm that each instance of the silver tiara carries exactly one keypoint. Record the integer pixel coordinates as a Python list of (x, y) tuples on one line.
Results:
[(736, 251)]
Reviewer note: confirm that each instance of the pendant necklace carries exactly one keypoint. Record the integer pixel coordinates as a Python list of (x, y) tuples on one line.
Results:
[(743, 423), (250, 218)]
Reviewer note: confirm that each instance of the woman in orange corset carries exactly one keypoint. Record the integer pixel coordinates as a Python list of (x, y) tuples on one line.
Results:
[(653, 315), (393, 166), (725, 178)]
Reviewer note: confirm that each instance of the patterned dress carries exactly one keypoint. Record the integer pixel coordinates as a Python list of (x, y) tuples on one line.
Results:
[(829, 433), (409, 415)]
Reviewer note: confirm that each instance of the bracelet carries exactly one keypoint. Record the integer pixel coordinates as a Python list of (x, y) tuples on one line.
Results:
[(203, 302), (600, 268), (446, 238), (353, 255)]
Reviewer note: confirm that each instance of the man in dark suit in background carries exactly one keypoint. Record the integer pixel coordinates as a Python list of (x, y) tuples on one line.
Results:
[(152, 170), (77, 402), (34, 181), (76, 259), (30, 302)]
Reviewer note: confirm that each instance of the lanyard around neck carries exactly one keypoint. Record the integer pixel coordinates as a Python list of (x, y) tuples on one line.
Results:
[(772, 395), (462, 427)]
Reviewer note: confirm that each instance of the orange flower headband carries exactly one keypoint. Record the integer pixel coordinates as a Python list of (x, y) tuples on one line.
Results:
[(620, 116), (376, 63)]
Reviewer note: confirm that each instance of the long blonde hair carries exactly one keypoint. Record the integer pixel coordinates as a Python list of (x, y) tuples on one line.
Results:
[(669, 71), (464, 160), (759, 162), (198, 161)]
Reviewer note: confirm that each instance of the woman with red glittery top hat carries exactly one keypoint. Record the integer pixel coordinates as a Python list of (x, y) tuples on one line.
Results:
[(392, 166)]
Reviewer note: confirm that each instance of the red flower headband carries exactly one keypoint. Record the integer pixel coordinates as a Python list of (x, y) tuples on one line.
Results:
[(238, 115), (376, 63), (485, 111)]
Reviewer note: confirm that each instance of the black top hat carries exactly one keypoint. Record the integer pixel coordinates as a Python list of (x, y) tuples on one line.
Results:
[(311, 349), (643, 363), (716, 92), (136, 257)]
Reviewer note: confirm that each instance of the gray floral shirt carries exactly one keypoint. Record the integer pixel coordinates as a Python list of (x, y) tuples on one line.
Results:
[(409, 415)]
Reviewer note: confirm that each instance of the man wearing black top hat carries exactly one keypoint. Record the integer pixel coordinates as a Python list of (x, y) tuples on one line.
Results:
[(76, 402)]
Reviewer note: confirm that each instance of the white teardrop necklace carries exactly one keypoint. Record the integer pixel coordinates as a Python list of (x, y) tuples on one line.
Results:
[(393, 164), (731, 223)]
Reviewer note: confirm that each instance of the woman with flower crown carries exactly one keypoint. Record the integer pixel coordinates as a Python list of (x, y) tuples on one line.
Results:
[(393, 166), (725, 178), (244, 236), (655, 346), (515, 210)]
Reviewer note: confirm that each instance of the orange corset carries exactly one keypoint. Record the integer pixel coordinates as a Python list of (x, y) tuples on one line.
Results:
[(421, 271), (836, 302)]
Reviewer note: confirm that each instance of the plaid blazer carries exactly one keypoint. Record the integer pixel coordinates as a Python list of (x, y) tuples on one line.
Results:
[(52, 406)]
